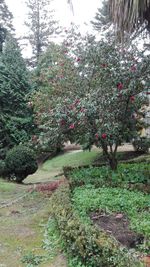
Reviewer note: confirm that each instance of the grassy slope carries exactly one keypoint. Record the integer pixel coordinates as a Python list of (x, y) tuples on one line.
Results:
[(54, 166), (70, 159)]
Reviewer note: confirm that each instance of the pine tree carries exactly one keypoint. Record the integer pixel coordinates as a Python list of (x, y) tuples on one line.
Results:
[(41, 25), (5, 22), (102, 19), (16, 116)]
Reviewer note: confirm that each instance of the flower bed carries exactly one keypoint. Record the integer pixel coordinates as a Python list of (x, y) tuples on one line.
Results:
[(92, 246)]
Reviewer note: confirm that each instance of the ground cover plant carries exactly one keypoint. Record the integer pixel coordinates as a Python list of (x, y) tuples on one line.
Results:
[(135, 206), (127, 175)]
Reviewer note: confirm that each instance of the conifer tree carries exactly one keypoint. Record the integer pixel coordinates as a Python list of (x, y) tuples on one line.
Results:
[(6, 24), (16, 116), (102, 20), (41, 25)]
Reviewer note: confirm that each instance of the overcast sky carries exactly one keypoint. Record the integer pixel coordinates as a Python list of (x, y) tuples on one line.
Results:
[(84, 11)]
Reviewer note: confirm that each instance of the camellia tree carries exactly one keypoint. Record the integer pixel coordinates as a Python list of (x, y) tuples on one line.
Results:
[(107, 113), (54, 78)]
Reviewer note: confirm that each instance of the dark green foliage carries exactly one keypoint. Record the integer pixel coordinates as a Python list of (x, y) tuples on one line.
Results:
[(2, 168), (5, 22), (20, 162), (92, 247), (141, 144), (126, 176), (16, 120)]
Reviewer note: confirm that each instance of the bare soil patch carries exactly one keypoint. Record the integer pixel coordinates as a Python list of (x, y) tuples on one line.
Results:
[(117, 225)]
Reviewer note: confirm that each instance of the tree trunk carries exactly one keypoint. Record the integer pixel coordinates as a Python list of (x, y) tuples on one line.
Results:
[(113, 163)]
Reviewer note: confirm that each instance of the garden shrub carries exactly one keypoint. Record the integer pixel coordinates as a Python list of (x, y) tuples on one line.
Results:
[(126, 175), (20, 162), (93, 247)]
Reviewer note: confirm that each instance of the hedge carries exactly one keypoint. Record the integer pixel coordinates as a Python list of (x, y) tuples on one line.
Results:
[(93, 247)]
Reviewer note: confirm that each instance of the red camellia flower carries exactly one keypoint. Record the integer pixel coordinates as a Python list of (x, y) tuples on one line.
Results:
[(120, 86), (133, 68), (72, 126), (77, 101), (62, 122), (132, 98), (104, 136), (96, 136), (78, 59), (104, 65)]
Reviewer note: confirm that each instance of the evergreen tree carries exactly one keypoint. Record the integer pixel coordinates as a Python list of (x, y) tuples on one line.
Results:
[(102, 19), (5, 22), (41, 25), (16, 116)]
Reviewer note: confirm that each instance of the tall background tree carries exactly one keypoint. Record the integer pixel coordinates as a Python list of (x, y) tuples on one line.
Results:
[(102, 20), (41, 25), (6, 24), (16, 116)]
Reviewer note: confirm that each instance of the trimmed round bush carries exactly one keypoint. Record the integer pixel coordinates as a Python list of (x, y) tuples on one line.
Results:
[(20, 162)]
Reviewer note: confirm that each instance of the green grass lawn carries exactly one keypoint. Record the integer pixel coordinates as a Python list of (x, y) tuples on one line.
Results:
[(54, 166), (20, 223), (70, 159), (5, 186)]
